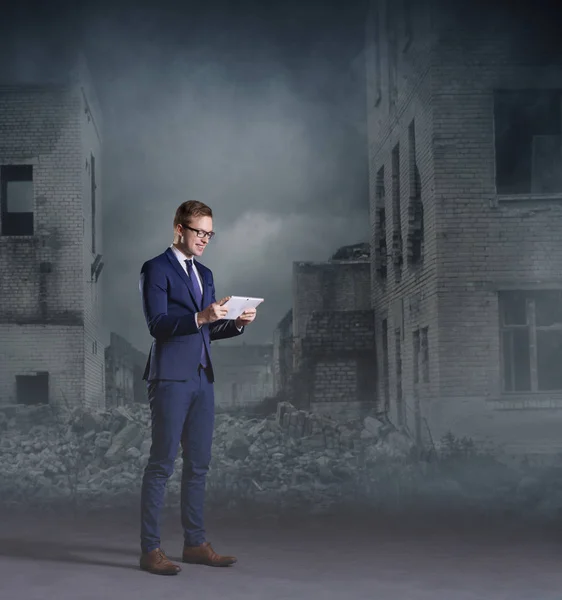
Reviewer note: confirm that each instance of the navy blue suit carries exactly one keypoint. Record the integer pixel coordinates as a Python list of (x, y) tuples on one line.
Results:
[(180, 392)]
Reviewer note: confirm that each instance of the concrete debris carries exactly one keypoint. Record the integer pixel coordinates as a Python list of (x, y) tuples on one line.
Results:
[(130, 436), (361, 251), (291, 459)]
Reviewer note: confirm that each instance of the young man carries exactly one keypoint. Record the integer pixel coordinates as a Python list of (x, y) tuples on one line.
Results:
[(183, 316)]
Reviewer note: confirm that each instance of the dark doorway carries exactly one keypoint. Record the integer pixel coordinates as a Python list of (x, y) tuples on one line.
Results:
[(33, 389)]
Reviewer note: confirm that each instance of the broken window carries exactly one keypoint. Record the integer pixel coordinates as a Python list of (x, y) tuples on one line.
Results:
[(380, 226), (528, 142), (33, 389), (424, 352), (531, 340), (385, 367), (415, 206), (421, 355), (93, 187), (17, 199), (397, 258), (416, 341), (398, 364)]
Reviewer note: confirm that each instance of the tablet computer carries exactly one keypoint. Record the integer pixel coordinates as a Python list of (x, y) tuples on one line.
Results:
[(238, 304)]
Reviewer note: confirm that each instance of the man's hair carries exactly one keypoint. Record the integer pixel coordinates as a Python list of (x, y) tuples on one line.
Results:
[(189, 210)]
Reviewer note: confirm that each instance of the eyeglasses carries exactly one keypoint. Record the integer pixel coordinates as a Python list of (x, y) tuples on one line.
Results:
[(200, 232)]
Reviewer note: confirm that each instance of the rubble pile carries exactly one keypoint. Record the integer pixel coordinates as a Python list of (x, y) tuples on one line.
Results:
[(292, 460)]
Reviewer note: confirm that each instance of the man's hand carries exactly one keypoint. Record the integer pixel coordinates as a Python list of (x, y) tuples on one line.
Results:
[(213, 312), (246, 317)]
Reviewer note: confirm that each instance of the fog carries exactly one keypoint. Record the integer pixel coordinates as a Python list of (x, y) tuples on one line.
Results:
[(249, 142), (258, 112)]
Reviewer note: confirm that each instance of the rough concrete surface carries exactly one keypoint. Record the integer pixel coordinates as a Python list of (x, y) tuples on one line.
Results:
[(96, 556)]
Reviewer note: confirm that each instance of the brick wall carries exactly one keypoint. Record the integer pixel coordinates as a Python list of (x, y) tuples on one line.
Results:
[(339, 332), (328, 286), (41, 127), (324, 355), (338, 363), (28, 349), (92, 247), (43, 275), (488, 242), (476, 243), (406, 297)]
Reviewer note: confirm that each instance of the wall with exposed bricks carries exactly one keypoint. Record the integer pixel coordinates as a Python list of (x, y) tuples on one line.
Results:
[(46, 303), (476, 242)]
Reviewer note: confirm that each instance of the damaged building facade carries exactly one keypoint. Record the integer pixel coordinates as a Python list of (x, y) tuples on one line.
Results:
[(50, 244), (324, 350), (465, 124), (124, 368), (243, 375), (282, 355)]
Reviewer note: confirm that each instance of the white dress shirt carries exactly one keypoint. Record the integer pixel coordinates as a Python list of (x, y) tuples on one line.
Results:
[(181, 259)]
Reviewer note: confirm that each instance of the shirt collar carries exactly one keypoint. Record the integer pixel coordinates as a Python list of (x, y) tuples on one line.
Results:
[(180, 255)]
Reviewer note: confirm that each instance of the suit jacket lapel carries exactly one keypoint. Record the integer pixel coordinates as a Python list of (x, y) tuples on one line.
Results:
[(204, 286), (181, 272)]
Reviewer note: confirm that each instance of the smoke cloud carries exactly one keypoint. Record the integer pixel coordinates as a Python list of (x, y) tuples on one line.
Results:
[(258, 113)]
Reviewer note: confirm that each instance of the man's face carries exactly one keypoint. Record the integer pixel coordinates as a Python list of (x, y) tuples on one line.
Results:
[(192, 244)]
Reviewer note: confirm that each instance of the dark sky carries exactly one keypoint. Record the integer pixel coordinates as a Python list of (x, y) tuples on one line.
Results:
[(256, 109)]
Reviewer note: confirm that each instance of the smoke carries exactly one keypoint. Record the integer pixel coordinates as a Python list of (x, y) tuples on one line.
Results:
[(258, 112), (271, 143)]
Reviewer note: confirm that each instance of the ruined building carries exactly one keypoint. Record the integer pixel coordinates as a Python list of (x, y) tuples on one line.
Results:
[(50, 244), (465, 125), (324, 350), (124, 368), (243, 375)]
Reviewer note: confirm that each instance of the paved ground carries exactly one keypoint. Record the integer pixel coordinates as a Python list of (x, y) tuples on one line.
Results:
[(96, 557)]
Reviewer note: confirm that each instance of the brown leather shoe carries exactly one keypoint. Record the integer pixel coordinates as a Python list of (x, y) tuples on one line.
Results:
[(205, 555), (158, 563)]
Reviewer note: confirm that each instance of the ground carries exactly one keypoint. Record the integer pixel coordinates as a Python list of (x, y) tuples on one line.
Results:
[(95, 556)]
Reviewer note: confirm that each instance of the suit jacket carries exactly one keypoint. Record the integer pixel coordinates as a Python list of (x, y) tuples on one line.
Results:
[(169, 308)]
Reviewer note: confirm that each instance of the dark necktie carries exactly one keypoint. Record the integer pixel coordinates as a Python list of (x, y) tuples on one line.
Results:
[(198, 298)]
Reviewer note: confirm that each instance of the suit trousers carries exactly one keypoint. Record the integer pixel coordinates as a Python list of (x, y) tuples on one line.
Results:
[(183, 412)]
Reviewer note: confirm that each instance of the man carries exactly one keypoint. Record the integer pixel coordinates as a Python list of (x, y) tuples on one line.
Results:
[(183, 317)]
